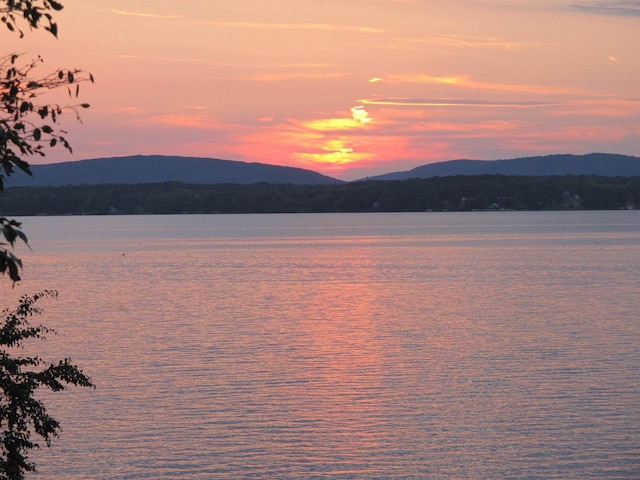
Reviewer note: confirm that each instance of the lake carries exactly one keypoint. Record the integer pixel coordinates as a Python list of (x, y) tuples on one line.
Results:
[(422, 345)]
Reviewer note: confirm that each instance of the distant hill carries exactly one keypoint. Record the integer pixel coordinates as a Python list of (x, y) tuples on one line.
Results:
[(602, 164), (159, 168)]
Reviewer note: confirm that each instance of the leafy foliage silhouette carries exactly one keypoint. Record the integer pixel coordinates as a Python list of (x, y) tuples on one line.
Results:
[(22, 416), (28, 128), (33, 12)]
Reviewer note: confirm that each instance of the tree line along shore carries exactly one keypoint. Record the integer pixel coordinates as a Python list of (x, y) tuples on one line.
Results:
[(457, 193)]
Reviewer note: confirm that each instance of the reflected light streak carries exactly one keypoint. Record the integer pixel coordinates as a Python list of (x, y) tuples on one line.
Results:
[(344, 365)]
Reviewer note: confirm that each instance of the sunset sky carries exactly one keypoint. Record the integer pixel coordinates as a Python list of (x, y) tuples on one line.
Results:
[(348, 88)]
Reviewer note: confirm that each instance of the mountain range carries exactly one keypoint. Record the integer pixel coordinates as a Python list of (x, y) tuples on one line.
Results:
[(601, 164), (159, 168)]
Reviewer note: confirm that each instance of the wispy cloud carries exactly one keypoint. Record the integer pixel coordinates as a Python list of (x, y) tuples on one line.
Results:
[(467, 81), (183, 120), (148, 15), (624, 8), (451, 128), (279, 77), (238, 65), (128, 111), (453, 102), (472, 42), (326, 27)]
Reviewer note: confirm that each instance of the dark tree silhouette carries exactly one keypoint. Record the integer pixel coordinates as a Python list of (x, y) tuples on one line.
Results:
[(22, 416), (28, 128)]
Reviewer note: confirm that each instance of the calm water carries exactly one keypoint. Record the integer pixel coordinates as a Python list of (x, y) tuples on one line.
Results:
[(466, 346)]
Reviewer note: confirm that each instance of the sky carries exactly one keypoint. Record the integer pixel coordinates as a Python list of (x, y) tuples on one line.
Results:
[(347, 88)]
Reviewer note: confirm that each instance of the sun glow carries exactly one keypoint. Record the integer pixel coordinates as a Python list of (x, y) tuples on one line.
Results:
[(331, 124), (332, 150), (359, 118), (360, 115), (331, 157), (337, 146)]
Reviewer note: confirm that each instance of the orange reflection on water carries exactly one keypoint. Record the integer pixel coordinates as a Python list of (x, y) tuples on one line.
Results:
[(342, 363)]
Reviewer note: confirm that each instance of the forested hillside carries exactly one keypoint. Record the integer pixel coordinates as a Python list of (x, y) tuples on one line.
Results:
[(162, 168), (600, 164), (437, 194)]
